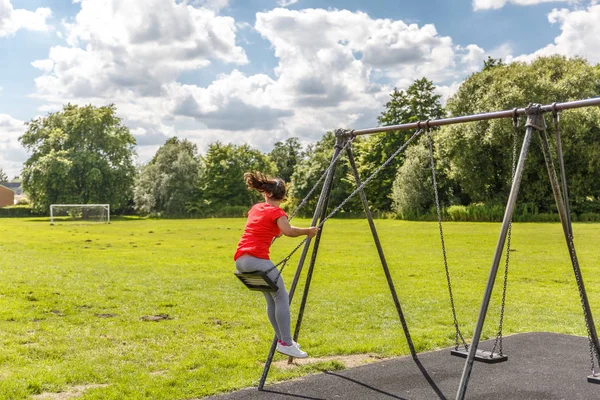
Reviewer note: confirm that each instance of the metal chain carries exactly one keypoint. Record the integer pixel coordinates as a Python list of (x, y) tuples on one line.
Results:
[(358, 189), (333, 162), (579, 280), (438, 207), (498, 341), (370, 178)]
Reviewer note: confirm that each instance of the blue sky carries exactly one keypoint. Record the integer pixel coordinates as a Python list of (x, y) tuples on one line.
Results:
[(259, 71)]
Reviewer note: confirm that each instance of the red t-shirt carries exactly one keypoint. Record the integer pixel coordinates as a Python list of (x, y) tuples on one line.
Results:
[(260, 230)]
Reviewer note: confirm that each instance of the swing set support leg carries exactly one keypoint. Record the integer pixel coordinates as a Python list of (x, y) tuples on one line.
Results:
[(565, 219), (319, 214), (384, 264), (532, 120), (535, 121)]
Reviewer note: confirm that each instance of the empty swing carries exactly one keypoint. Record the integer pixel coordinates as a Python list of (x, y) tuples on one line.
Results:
[(488, 357)]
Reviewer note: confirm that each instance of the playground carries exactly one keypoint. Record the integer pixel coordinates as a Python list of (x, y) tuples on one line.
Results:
[(75, 298)]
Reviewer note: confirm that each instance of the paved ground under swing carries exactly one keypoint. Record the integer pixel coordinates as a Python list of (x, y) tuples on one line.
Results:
[(544, 366)]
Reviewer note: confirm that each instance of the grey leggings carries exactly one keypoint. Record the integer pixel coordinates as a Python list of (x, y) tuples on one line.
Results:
[(278, 303)]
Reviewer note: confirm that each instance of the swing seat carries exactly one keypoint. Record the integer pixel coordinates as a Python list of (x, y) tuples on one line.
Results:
[(257, 280), (594, 378), (482, 356)]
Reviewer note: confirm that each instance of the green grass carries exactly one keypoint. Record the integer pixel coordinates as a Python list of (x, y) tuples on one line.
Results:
[(57, 280)]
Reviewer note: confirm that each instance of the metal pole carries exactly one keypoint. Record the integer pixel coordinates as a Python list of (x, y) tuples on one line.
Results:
[(479, 117), (388, 276), (532, 123), (566, 224), (323, 197), (327, 186), (561, 162)]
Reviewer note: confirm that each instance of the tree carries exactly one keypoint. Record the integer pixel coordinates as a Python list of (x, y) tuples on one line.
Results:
[(492, 63), (166, 184), (3, 176), (412, 191), (79, 155), (479, 154), (418, 103), (221, 185), (286, 156)]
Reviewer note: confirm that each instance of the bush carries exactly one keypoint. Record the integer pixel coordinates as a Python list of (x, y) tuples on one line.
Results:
[(18, 211)]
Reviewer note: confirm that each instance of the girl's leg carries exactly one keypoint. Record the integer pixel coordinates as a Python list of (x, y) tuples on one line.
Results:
[(271, 313), (282, 308), (278, 303)]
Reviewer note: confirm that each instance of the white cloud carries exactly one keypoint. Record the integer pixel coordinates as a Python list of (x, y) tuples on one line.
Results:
[(496, 4), (122, 46), (131, 54), (12, 20), (337, 66), (12, 154), (579, 34), (285, 3), (212, 4)]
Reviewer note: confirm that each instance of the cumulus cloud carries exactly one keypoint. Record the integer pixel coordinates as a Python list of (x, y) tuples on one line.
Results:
[(12, 155), (285, 3), (496, 4), (131, 53), (213, 4), (579, 34), (337, 66), (126, 46), (12, 20)]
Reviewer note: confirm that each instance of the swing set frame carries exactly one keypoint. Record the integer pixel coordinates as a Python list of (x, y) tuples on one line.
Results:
[(534, 123)]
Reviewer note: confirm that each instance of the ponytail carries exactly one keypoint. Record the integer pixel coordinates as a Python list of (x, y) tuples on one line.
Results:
[(273, 187)]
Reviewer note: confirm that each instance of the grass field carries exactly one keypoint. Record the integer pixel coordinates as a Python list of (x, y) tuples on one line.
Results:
[(75, 300)]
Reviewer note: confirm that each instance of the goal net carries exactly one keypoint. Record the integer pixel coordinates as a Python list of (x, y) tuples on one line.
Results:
[(80, 212)]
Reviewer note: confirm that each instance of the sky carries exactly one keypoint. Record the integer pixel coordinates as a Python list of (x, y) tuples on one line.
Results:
[(259, 71)]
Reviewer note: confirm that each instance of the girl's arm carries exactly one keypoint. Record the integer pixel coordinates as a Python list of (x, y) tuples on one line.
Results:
[(292, 231)]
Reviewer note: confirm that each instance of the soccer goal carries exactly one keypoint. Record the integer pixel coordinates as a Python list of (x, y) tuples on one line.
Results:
[(93, 213)]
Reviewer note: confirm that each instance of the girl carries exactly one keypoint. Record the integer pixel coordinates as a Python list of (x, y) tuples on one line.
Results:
[(265, 222)]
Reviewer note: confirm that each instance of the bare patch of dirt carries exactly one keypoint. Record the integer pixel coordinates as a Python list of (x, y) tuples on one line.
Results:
[(106, 315), (72, 393), (156, 318), (350, 361)]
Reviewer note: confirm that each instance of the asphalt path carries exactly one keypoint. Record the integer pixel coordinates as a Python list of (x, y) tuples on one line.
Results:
[(544, 366)]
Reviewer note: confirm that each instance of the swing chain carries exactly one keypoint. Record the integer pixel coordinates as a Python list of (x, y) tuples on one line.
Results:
[(351, 136), (579, 280), (575, 262), (498, 341), (438, 207), (417, 133)]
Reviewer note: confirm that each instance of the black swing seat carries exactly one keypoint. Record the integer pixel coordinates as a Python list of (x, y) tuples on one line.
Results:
[(594, 378), (482, 356), (257, 280)]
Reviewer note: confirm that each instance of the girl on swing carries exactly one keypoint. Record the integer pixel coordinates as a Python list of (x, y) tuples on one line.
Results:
[(265, 222)]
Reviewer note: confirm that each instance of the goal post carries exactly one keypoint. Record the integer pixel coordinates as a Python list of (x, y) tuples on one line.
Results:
[(99, 213)]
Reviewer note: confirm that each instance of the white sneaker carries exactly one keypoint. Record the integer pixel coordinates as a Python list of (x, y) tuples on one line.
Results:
[(293, 350)]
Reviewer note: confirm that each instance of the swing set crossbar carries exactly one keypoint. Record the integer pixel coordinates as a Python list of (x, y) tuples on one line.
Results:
[(554, 107)]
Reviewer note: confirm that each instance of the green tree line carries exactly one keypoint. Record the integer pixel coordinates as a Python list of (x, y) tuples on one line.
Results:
[(85, 154)]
